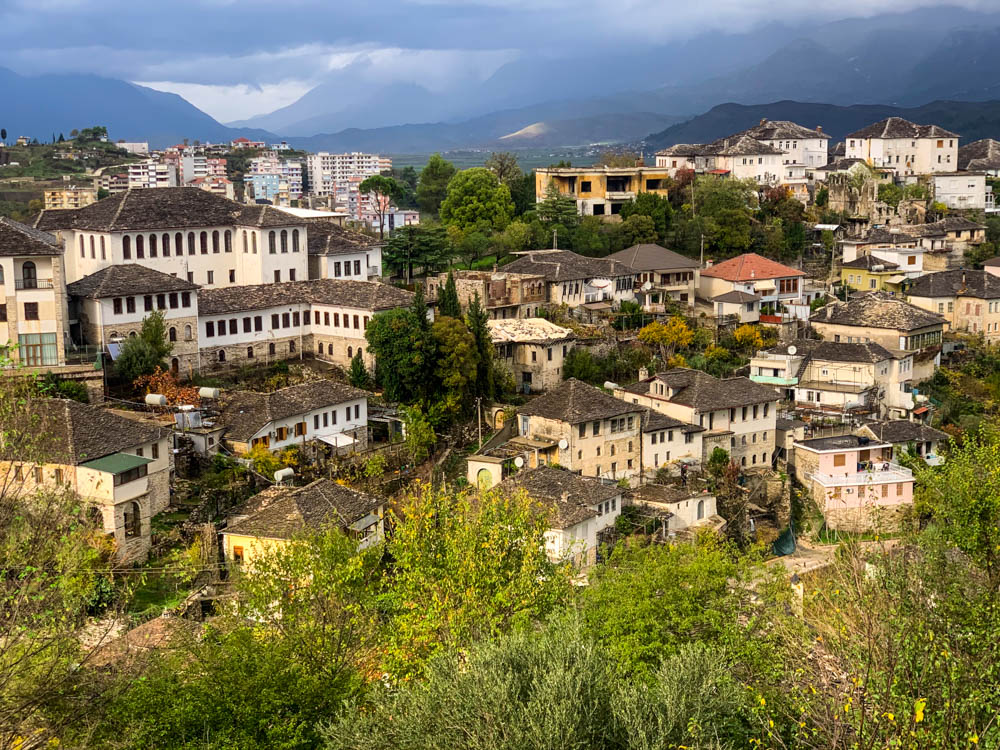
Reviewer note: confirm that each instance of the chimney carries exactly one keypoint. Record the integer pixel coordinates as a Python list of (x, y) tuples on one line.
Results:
[(962, 289), (819, 129), (829, 310), (763, 120), (643, 373), (564, 497)]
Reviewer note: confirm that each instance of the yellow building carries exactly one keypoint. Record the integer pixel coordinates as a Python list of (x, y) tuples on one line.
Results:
[(71, 197), (279, 514), (601, 191), (869, 273)]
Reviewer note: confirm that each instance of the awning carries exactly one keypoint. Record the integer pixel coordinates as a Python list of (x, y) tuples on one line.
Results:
[(766, 285), (920, 410), (117, 463), (597, 306), (339, 440), (895, 279)]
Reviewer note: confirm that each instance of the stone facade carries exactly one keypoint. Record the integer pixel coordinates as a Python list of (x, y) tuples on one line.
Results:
[(264, 352)]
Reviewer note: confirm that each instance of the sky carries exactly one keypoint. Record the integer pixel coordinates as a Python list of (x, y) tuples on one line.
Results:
[(239, 58)]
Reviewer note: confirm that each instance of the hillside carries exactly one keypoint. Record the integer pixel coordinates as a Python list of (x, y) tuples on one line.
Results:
[(43, 106), (971, 120)]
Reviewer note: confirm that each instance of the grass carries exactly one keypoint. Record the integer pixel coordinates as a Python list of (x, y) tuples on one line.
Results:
[(158, 591), (830, 536)]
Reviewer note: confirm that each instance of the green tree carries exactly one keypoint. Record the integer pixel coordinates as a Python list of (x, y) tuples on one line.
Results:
[(359, 376), (591, 237), (638, 229), (656, 207), (419, 307), (477, 199), (433, 185), (477, 320), (515, 238), (384, 190), (726, 209), (668, 337), (504, 165), (102, 194), (522, 192), (457, 361), (420, 245), (557, 208), (891, 193), (141, 355), (448, 303), (404, 355), (420, 437), (406, 178), (467, 567)]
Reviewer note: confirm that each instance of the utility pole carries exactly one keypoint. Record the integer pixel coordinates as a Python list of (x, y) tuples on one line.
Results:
[(479, 419)]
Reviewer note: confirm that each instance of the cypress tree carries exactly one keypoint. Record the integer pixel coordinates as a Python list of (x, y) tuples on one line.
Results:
[(448, 299), (476, 320), (419, 307)]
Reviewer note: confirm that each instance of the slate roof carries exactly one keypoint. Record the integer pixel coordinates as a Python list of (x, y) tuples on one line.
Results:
[(992, 262), (569, 496), (869, 262), (736, 297), (283, 512), (899, 431), (773, 130), (574, 401), (563, 265), (837, 442), (980, 155), (947, 224), (650, 257), (702, 392), (958, 282), (883, 236), (876, 310), (128, 279), (747, 142), (750, 267), (329, 238), (897, 127), (741, 145), (839, 165), (51, 219), (653, 420), (836, 351), (166, 208), (361, 295), (17, 239), (73, 433), (244, 413)]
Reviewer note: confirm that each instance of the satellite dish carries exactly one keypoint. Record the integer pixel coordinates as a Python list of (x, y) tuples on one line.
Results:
[(647, 286), (563, 444), (792, 350), (519, 462)]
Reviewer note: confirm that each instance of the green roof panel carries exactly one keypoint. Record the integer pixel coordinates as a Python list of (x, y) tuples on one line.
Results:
[(116, 463)]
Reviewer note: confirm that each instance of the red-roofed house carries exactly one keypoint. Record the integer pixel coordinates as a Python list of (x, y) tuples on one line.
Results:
[(778, 289), (242, 142)]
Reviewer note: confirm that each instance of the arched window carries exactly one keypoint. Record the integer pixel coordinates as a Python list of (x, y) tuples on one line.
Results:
[(253, 242), (190, 243), (246, 245), (204, 243), (295, 240), (743, 461), (132, 520), (1, 274), (249, 352), (131, 334), (222, 355), (126, 247), (215, 241), (140, 246), (329, 349), (93, 252), (29, 276), (228, 240), (350, 353), (284, 240), (166, 245), (152, 246), (179, 244), (175, 365), (83, 252), (271, 247), (701, 509), (187, 333), (172, 334), (104, 255), (114, 336), (361, 353)]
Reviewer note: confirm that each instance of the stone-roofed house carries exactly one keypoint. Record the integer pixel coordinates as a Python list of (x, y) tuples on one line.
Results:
[(534, 350), (737, 414), (112, 303), (280, 514), (601, 433), (905, 436), (339, 253), (323, 410), (854, 481), (980, 156), (579, 508), (501, 293), (838, 377), (968, 299), (117, 465), (667, 443), (779, 288), (33, 303), (184, 231), (661, 274), (288, 320), (576, 280), (906, 147)]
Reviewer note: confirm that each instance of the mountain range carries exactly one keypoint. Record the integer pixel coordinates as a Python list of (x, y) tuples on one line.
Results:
[(852, 68)]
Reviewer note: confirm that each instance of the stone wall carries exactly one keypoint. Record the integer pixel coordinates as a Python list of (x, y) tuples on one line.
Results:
[(238, 354), (867, 518)]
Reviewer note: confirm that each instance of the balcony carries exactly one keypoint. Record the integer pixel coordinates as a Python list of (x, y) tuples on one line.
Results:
[(774, 380), (620, 195), (895, 473), (32, 283)]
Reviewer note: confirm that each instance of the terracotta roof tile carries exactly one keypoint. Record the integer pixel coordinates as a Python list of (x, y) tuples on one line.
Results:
[(750, 267)]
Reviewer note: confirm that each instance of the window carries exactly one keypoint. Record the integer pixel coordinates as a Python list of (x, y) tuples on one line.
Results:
[(284, 240), (277, 276), (83, 253), (116, 305), (228, 241), (152, 246), (258, 323), (596, 427), (534, 356), (222, 354), (336, 268), (173, 299), (295, 319), (31, 311), (166, 245), (300, 429), (179, 244), (211, 277), (247, 325), (253, 243), (172, 334), (291, 346), (271, 348), (271, 244), (583, 430), (840, 460), (161, 302), (249, 352), (356, 322), (282, 433), (295, 240), (357, 268), (326, 318), (357, 411), (155, 451), (549, 353), (187, 333), (285, 320), (336, 320), (585, 186), (237, 554), (132, 519), (92, 252), (232, 275), (210, 329), (204, 243), (350, 352), (126, 247), (233, 326), (190, 243)]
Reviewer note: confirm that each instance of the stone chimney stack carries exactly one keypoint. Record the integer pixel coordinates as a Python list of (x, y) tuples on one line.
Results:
[(763, 120), (819, 129), (643, 373), (829, 310)]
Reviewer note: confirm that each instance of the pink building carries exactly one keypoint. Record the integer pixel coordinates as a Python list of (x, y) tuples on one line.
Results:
[(854, 481)]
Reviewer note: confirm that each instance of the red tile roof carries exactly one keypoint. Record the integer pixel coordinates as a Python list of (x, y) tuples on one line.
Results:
[(750, 267)]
